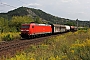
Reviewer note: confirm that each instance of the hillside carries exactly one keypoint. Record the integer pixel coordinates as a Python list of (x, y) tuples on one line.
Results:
[(24, 11)]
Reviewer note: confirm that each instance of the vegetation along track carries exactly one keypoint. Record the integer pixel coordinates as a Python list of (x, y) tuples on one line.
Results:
[(11, 47)]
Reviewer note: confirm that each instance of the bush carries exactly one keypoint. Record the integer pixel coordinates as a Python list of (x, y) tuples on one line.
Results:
[(69, 46), (9, 36)]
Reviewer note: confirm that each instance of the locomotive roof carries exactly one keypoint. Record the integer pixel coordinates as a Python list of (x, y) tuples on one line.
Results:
[(41, 24), (38, 24), (44, 24)]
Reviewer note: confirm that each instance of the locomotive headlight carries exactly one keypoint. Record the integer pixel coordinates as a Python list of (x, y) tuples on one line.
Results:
[(26, 30), (22, 30)]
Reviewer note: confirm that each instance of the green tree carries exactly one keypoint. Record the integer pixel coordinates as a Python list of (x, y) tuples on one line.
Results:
[(70, 23), (38, 20), (3, 25), (18, 20)]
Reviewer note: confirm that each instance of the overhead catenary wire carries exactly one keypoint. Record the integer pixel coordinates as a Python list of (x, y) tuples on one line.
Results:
[(7, 5), (4, 4), (1, 10)]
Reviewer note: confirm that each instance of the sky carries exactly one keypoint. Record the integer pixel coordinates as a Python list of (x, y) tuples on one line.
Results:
[(69, 9)]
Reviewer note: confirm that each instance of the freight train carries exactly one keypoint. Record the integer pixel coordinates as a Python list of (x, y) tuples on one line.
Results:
[(31, 30)]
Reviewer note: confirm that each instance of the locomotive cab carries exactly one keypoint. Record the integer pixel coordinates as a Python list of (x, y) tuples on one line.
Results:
[(25, 30)]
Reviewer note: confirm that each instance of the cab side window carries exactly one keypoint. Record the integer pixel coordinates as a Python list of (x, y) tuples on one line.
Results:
[(32, 26)]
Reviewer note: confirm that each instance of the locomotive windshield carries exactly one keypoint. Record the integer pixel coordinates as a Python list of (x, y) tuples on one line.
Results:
[(25, 26)]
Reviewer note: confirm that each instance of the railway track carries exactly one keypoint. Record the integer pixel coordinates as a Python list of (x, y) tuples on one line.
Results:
[(10, 48)]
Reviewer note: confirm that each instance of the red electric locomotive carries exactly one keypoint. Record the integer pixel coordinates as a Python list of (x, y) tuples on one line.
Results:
[(33, 29)]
